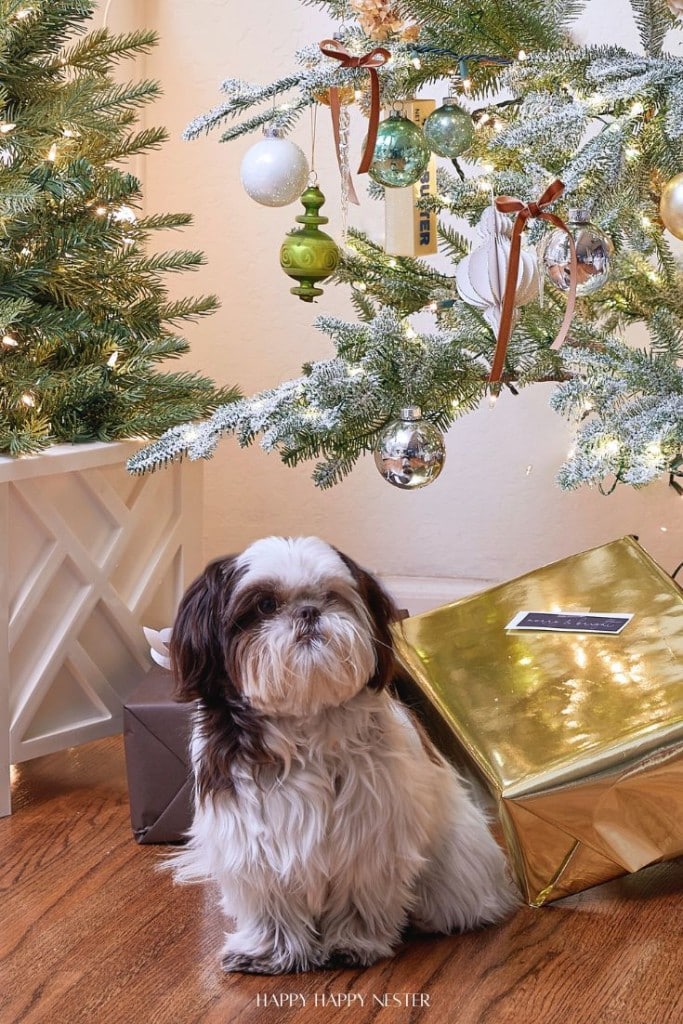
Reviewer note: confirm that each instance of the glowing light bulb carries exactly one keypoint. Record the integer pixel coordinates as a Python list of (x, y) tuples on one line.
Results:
[(9, 342), (28, 400), (637, 108), (101, 211), (417, 63), (52, 155), (7, 127), (113, 358), (611, 446), (410, 333), (125, 214), (522, 55), (25, 12), (467, 85)]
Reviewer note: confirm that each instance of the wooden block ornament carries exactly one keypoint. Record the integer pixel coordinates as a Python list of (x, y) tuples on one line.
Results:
[(408, 230)]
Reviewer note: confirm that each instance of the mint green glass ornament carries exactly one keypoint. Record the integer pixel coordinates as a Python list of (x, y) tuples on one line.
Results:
[(308, 254), (401, 153), (449, 130)]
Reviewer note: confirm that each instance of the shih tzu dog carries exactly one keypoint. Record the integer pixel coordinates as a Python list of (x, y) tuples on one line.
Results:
[(322, 811)]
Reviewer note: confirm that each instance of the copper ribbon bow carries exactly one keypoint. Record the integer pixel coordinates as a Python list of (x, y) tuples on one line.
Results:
[(372, 60), (525, 211)]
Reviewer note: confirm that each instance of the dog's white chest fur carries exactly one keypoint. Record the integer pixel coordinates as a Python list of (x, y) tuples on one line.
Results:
[(334, 803)]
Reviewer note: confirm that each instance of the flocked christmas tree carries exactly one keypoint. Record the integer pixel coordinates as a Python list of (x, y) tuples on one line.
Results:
[(85, 316), (606, 123)]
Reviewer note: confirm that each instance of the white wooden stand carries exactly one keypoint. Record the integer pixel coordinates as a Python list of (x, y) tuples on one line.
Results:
[(88, 555)]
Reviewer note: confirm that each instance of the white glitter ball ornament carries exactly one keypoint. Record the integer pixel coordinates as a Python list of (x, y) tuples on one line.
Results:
[(274, 172)]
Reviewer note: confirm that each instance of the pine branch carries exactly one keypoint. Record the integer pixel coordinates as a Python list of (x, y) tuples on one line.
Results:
[(97, 52), (653, 20)]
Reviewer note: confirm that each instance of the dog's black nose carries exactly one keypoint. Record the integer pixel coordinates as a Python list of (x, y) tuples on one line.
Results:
[(309, 613)]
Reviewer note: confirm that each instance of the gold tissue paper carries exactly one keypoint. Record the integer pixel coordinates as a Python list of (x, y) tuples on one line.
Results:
[(578, 736)]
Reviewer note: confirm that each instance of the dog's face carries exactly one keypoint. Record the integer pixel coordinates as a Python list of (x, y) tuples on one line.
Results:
[(287, 628)]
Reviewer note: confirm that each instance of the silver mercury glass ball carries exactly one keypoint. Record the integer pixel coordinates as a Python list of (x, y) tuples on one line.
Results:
[(411, 451), (593, 252)]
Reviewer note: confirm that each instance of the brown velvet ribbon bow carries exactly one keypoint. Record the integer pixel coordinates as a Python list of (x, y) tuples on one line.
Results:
[(372, 60), (525, 212)]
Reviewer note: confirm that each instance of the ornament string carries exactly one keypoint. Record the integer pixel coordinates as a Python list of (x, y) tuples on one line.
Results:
[(525, 212), (314, 126), (370, 61)]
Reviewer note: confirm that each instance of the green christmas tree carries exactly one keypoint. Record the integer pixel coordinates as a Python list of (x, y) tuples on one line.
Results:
[(608, 124), (85, 317)]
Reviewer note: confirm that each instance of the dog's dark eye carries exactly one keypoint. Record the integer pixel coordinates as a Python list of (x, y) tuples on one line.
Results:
[(266, 604)]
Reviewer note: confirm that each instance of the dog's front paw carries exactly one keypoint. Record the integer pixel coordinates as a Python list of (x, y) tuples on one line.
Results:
[(241, 963), (341, 958), (244, 963)]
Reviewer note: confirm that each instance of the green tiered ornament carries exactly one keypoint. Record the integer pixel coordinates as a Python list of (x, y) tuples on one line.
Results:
[(308, 254)]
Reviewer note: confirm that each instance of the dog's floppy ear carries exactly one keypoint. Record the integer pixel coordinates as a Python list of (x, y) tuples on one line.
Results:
[(197, 642), (383, 612)]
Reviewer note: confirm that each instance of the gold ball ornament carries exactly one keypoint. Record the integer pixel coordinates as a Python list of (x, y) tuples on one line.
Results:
[(671, 206), (346, 95)]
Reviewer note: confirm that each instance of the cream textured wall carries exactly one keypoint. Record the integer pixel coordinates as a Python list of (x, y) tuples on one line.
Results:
[(495, 512)]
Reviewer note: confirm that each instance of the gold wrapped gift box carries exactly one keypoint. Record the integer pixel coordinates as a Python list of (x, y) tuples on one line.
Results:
[(578, 736)]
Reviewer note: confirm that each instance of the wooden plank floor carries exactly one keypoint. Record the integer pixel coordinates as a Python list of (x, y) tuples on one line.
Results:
[(90, 933)]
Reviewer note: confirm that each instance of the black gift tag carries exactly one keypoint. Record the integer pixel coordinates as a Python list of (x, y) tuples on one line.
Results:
[(570, 622)]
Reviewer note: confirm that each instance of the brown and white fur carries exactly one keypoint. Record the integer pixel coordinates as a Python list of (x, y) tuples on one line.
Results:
[(328, 820)]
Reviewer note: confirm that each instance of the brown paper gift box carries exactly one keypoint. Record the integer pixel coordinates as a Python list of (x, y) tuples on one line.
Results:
[(579, 737), (156, 738)]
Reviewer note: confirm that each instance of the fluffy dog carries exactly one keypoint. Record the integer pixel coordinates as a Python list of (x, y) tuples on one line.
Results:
[(324, 814)]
